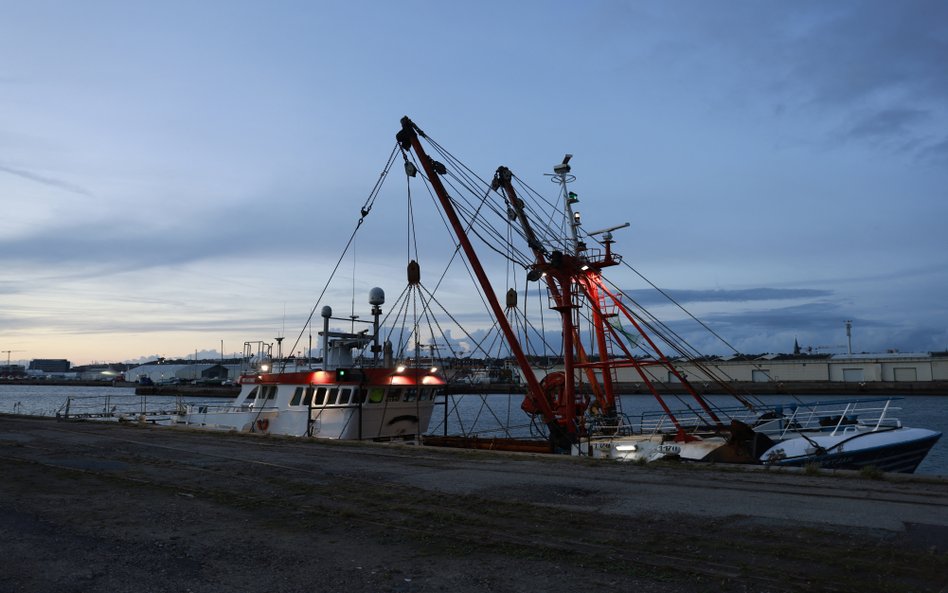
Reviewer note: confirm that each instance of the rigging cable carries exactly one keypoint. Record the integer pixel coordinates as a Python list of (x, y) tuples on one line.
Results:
[(364, 211)]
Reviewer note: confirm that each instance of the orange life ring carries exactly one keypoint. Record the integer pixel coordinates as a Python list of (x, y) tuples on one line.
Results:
[(263, 424)]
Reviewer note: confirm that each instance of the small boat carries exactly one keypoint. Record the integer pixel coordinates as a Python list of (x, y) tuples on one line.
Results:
[(344, 398), (852, 434), (839, 434)]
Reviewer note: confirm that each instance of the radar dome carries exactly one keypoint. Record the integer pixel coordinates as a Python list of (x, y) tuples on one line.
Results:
[(376, 296)]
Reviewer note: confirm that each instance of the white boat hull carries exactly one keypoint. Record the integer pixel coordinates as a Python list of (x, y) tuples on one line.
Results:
[(894, 450), (368, 421), (373, 404)]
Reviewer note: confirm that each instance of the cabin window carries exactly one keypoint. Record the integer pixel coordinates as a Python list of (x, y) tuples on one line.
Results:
[(253, 394), (394, 395), (333, 394), (361, 395), (297, 397), (424, 395), (344, 396), (320, 396), (308, 400), (376, 395), (410, 394), (271, 392)]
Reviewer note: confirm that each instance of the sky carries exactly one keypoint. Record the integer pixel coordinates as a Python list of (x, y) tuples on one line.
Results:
[(178, 175)]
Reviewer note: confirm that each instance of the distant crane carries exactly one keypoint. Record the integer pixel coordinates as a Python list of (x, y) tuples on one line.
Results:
[(8, 355)]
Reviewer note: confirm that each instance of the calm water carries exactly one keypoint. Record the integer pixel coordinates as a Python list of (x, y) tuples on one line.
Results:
[(468, 413)]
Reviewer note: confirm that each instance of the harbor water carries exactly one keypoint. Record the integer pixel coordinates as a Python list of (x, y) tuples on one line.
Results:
[(480, 415)]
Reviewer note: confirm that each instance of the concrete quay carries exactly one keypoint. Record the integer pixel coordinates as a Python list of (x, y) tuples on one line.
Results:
[(112, 507)]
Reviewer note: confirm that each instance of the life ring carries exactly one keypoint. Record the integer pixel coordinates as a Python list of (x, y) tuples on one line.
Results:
[(263, 424)]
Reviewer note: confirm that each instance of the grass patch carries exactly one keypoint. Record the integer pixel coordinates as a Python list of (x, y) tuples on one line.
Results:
[(871, 472)]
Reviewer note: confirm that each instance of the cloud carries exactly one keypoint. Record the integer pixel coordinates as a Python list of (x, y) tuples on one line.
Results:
[(804, 317), (882, 61), (934, 152), (647, 297), (47, 181), (176, 236), (887, 123), (874, 70)]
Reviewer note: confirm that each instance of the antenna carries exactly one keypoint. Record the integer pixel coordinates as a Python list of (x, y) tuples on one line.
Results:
[(562, 176), (609, 230)]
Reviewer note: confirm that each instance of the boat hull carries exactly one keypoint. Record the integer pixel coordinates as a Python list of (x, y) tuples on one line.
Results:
[(348, 423), (377, 404), (900, 450)]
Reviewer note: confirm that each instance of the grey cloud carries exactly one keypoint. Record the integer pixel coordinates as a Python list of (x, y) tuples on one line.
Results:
[(890, 46), (882, 61), (244, 229), (46, 180), (651, 297), (808, 316), (887, 123), (935, 152)]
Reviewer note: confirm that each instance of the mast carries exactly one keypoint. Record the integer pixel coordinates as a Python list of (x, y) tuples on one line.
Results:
[(572, 272), (559, 281), (562, 436), (565, 275), (561, 175)]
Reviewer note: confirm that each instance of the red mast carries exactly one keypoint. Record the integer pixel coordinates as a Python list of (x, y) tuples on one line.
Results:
[(562, 430), (571, 273)]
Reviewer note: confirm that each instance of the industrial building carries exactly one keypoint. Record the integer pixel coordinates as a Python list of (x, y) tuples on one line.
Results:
[(838, 368)]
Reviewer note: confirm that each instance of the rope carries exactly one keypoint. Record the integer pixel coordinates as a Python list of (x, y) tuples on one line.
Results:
[(364, 212)]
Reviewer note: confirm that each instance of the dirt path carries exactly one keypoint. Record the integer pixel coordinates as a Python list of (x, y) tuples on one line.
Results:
[(88, 507)]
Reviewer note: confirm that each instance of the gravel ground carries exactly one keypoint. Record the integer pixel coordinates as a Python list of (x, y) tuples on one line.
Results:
[(90, 507)]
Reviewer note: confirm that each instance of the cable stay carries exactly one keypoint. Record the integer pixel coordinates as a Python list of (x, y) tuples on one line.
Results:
[(599, 334)]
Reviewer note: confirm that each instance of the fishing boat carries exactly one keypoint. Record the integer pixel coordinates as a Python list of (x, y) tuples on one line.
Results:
[(342, 398), (607, 338), (602, 339)]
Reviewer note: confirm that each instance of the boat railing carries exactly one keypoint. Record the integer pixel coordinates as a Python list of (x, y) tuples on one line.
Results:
[(106, 407), (205, 408), (620, 425), (777, 421)]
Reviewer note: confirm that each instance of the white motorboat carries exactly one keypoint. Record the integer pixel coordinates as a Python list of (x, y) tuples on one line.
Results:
[(838, 434)]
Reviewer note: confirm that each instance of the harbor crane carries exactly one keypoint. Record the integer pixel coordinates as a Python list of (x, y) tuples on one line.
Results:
[(8, 352)]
